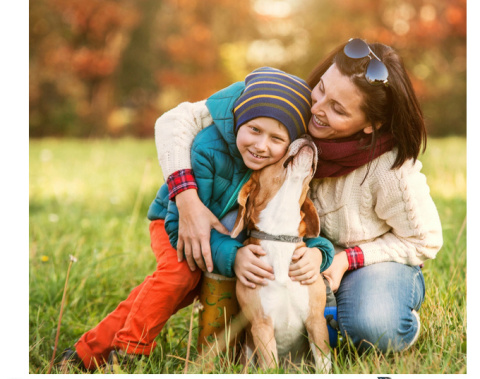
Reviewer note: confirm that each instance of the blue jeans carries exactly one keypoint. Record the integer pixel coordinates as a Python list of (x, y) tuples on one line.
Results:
[(375, 304)]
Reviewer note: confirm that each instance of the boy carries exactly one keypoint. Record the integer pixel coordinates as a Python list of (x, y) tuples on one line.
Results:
[(271, 109)]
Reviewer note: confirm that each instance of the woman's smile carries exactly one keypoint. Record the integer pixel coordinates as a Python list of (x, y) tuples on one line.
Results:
[(319, 123)]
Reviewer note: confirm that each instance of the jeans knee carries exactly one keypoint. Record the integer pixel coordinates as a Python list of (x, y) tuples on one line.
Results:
[(387, 332), (382, 315)]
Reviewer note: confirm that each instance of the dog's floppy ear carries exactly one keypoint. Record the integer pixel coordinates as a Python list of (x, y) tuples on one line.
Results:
[(244, 208), (312, 221)]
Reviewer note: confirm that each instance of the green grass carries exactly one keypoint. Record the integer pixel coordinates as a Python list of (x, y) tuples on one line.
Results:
[(90, 198)]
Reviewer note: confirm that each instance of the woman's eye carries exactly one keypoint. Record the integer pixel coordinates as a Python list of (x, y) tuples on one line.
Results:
[(254, 129), (338, 110), (321, 87)]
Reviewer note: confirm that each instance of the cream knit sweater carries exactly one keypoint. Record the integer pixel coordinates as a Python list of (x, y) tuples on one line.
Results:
[(391, 216), (175, 131)]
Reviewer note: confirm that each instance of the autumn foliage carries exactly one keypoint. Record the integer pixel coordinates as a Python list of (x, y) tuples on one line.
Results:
[(111, 67)]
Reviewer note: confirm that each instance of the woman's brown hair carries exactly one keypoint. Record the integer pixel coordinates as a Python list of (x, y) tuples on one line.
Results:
[(394, 108)]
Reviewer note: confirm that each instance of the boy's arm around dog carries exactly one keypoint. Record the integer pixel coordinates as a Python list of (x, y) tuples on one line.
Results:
[(219, 178), (219, 173), (326, 248)]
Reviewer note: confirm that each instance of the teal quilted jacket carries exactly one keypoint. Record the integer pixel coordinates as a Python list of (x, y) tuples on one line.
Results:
[(220, 173)]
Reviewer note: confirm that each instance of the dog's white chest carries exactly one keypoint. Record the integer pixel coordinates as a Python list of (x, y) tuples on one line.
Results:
[(286, 302)]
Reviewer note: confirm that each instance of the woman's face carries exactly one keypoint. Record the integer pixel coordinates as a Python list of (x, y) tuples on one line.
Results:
[(336, 111)]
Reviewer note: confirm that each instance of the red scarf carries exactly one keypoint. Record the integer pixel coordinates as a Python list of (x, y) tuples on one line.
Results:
[(342, 156)]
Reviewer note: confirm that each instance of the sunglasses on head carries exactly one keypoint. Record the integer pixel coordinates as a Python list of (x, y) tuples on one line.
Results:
[(376, 73)]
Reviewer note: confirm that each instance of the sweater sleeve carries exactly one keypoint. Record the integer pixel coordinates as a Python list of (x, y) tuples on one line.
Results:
[(175, 131), (404, 203)]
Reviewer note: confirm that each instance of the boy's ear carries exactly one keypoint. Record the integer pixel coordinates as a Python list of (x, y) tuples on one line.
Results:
[(311, 219), (244, 209)]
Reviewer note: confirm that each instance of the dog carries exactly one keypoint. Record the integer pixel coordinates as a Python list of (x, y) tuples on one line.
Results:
[(275, 210)]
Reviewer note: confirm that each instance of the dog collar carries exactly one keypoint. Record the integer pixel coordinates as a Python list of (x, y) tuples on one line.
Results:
[(271, 237)]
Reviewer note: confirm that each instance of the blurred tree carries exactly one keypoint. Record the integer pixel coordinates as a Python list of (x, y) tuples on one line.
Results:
[(105, 67), (76, 47), (137, 89), (191, 34)]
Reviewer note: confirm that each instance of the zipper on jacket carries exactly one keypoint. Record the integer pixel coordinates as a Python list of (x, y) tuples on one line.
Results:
[(233, 199)]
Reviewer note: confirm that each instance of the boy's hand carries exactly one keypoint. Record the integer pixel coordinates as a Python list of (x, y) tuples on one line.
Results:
[(305, 266), (194, 225), (250, 269)]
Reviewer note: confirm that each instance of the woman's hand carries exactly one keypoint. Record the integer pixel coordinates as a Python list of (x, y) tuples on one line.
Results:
[(337, 269), (194, 225), (306, 265), (250, 269)]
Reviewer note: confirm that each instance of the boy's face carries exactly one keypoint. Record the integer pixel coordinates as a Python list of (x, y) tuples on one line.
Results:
[(262, 141)]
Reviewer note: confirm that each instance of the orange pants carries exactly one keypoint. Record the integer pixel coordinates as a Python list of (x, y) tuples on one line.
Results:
[(135, 323)]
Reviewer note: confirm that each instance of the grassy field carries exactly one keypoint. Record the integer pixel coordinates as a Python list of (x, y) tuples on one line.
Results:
[(90, 198)]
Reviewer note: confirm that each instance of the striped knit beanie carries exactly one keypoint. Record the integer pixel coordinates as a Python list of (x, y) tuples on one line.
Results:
[(273, 93)]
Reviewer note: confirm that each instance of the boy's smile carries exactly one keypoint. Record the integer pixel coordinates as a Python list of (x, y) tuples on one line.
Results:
[(262, 142), (255, 155)]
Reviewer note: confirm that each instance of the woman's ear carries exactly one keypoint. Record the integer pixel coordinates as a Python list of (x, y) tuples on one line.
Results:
[(369, 128)]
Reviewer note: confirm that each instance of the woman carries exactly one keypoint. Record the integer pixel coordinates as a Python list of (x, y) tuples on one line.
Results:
[(373, 202)]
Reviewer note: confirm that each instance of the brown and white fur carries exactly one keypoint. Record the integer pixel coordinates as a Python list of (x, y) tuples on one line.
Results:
[(282, 313)]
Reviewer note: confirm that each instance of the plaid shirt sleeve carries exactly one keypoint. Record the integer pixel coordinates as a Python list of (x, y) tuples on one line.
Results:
[(355, 258), (180, 181)]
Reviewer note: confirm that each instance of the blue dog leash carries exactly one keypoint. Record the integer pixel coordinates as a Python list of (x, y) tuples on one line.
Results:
[(331, 315)]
